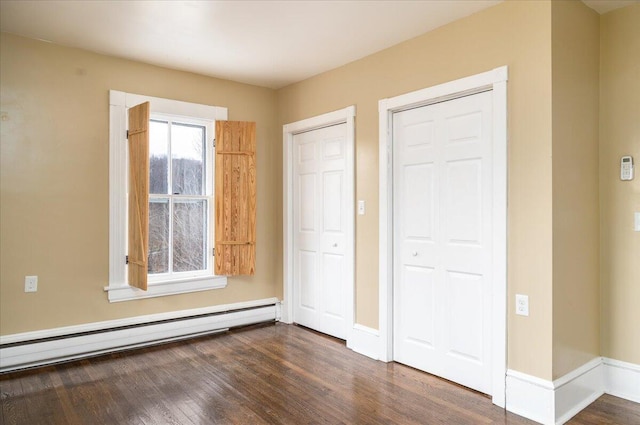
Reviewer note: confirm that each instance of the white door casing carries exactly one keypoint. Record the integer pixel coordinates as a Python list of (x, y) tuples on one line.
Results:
[(319, 223), (493, 81), (442, 188)]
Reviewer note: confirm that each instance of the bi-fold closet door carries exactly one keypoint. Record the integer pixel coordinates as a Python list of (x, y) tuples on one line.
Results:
[(442, 226), (320, 202)]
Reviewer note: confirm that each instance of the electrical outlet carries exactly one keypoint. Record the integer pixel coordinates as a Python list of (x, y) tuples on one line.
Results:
[(522, 305), (30, 283)]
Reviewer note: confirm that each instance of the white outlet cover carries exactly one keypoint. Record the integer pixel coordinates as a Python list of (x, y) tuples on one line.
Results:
[(522, 305), (30, 283)]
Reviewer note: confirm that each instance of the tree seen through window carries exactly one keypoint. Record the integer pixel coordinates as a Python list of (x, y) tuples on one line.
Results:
[(178, 199)]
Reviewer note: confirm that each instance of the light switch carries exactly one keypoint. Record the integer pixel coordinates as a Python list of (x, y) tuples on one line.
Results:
[(636, 225), (360, 207)]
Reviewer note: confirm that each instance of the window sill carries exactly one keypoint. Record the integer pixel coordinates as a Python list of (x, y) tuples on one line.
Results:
[(125, 292)]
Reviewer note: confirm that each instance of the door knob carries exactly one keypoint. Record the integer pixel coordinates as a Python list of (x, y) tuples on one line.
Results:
[(335, 245), (414, 253)]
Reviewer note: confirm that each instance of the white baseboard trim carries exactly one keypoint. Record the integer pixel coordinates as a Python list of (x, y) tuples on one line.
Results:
[(29, 349), (556, 402), (578, 389), (530, 397), (622, 379), (286, 315), (365, 341)]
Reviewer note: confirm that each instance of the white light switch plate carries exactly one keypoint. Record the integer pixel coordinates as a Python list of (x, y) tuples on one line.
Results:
[(636, 224), (360, 207)]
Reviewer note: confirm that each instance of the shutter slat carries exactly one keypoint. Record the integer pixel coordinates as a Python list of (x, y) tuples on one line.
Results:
[(138, 195), (235, 198)]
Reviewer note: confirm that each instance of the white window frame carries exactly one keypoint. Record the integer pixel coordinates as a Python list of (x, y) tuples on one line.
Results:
[(209, 126), (119, 103)]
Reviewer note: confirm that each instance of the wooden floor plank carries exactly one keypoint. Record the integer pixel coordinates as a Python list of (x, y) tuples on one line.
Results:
[(266, 374)]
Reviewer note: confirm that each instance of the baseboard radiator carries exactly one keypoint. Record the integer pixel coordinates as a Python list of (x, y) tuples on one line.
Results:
[(31, 349)]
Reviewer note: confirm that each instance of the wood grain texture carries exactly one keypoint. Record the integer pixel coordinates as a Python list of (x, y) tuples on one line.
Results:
[(266, 374), (138, 195), (236, 186)]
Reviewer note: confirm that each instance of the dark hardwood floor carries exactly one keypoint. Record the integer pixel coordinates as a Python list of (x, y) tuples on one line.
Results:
[(265, 374)]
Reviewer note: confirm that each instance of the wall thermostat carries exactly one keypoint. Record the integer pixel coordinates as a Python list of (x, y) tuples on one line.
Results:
[(626, 168)]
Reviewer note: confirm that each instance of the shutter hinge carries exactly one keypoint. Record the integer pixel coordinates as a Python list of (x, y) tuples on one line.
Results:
[(126, 259)]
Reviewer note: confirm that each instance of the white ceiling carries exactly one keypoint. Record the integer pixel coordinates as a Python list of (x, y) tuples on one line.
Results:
[(266, 43), (604, 6)]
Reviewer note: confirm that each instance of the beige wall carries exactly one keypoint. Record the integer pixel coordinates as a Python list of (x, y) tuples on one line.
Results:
[(620, 135), (54, 172), (576, 285), (517, 34), (54, 199)]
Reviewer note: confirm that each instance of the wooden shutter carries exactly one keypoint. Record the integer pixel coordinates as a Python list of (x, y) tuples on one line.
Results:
[(138, 194), (235, 198)]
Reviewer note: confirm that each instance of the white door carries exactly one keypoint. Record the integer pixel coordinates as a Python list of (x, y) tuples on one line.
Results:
[(442, 239), (319, 240)]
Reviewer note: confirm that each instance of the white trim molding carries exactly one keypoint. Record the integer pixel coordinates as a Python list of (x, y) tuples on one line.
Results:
[(30, 349), (556, 402), (496, 81), (530, 397), (365, 341), (346, 116), (577, 389), (622, 379)]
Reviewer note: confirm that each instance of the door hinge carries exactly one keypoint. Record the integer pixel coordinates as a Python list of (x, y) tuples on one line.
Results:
[(127, 134), (214, 252), (214, 143), (126, 259)]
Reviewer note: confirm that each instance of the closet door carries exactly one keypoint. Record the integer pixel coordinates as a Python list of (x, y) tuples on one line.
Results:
[(442, 239), (319, 219)]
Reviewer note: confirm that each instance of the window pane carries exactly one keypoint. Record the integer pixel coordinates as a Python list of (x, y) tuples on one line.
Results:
[(189, 235), (158, 157), (158, 236), (187, 159)]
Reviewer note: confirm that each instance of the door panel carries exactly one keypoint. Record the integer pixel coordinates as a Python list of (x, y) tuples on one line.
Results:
[(463, 309), (306, 192), (332, 201), (333, 271), (419, 297), (442, 228), (463, 195), (307, 276), (418, 204), (319, 241)]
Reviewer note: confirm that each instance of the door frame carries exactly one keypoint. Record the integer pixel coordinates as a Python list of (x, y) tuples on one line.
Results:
[(496, 81), (342, 116)]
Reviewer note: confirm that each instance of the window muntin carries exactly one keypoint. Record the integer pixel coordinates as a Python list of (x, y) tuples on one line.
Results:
[(180, 198)]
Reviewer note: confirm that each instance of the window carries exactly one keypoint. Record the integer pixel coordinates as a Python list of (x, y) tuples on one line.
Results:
[(180, 197)]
